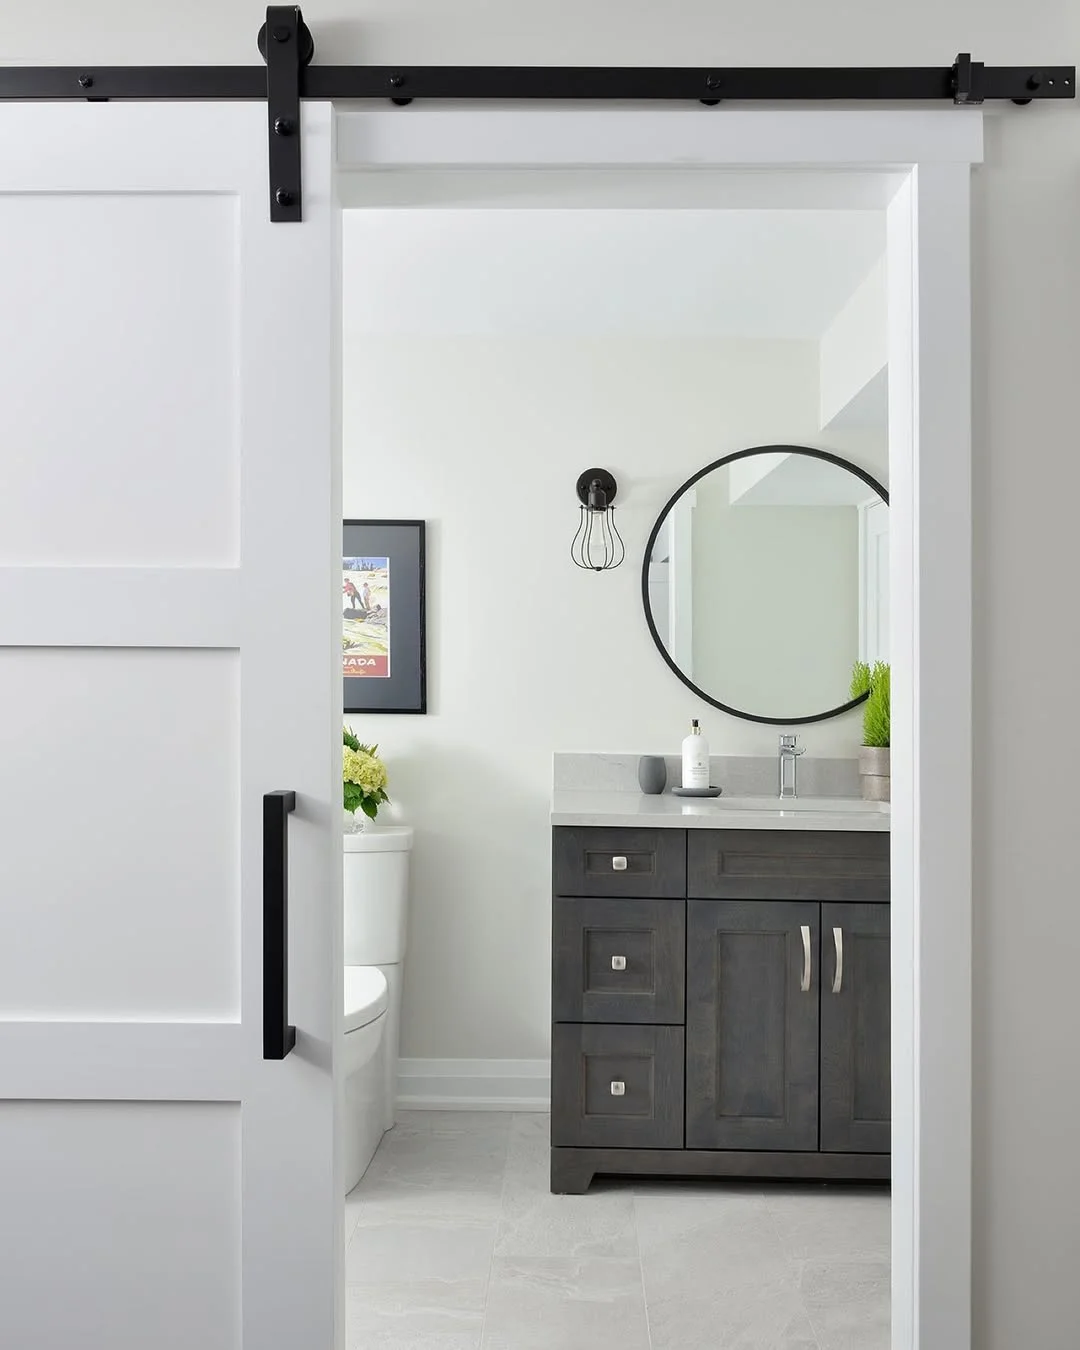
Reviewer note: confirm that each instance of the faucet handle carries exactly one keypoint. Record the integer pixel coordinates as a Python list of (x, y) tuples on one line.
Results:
[(789, 745)]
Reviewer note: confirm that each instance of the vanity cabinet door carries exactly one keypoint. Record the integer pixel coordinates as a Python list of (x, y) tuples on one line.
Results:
[(752, 983), (855, 1029)]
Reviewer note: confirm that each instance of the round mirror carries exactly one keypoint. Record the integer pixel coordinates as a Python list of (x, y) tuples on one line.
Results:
[(766, 578)]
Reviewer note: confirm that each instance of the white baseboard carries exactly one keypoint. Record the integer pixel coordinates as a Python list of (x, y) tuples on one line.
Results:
[(474, 1085)]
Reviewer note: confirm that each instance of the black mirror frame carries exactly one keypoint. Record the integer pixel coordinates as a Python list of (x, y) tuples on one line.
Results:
[(828, 458)]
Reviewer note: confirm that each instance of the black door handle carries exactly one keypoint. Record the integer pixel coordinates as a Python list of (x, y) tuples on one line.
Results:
[(278, 1037)]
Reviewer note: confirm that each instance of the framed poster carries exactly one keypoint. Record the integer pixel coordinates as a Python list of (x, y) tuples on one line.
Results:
[(382, 596)]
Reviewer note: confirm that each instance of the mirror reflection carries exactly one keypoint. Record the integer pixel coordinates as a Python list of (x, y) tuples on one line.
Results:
[(766, 578)]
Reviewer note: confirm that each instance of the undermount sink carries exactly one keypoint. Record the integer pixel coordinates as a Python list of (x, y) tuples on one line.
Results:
[(803, 805)]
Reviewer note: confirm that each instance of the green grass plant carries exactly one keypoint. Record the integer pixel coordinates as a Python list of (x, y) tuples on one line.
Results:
[(873, 681)]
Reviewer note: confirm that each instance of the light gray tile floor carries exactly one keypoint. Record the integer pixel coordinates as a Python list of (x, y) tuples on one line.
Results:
[(454, 1242)]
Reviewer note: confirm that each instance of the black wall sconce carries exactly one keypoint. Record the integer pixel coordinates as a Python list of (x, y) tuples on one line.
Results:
[(597, 546)]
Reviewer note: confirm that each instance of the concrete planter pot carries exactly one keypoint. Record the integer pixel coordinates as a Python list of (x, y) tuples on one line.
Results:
[(874, 771)]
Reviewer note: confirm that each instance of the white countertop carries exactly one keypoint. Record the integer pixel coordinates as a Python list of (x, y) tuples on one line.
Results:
[(717, 813)]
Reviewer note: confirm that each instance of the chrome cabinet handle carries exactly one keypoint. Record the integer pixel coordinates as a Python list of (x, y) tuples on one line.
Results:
[(618, 864), (618, 963), (838, 943), (618, 1089), (806, 965)]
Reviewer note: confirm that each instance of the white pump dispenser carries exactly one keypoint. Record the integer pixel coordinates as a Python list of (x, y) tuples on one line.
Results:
[(695, 758)]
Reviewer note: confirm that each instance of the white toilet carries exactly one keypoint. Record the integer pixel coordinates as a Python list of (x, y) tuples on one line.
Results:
[(376, 917)]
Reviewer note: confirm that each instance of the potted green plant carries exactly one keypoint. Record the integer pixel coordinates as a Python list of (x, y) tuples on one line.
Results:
[(364, 781), (874, 767)]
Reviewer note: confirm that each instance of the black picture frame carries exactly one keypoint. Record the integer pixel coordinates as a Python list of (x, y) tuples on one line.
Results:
[(394, 682)]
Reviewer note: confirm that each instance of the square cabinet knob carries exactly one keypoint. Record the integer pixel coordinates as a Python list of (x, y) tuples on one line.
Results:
[(618, 864), (618, 963), (618, 1089)]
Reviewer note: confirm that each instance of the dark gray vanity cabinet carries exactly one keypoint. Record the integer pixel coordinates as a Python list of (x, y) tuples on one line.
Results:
[(720, 1004)]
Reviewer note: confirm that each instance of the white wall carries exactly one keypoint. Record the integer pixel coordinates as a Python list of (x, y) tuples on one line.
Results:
[(485, 439), (1027, 292)]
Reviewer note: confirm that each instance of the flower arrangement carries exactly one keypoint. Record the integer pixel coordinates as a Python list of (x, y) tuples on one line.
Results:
[(874, 682), (363, 775)]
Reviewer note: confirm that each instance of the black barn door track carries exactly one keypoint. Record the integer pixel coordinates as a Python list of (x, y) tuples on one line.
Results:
[(288, 77)]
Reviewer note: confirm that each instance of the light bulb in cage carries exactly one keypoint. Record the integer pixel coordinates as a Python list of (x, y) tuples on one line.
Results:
[(597, 546)]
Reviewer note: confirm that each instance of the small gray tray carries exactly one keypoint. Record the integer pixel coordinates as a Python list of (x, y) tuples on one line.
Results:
[(697, 792)]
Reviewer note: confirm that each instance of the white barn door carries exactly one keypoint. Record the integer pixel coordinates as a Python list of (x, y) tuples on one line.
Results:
[(169, 576)]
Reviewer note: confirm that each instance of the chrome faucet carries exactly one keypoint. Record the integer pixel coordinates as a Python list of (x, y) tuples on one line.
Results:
[(789, 753)]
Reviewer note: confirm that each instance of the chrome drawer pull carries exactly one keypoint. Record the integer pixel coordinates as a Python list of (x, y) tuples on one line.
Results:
[(805, 985), (838, 943), (618, 963), (618, 1089), (618, 864)]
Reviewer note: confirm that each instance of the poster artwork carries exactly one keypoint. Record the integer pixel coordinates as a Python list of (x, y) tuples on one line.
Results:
[(366, 597)]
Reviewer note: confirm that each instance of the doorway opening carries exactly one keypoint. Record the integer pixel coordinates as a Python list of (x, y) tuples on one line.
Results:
[(486, 355)]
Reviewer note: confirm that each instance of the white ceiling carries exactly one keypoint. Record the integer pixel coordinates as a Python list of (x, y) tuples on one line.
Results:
[(660, 273)]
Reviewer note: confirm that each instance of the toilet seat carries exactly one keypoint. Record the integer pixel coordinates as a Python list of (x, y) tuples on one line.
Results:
[(366, 996)]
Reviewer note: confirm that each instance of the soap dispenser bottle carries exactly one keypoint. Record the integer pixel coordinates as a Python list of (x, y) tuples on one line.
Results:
[(695, 758)]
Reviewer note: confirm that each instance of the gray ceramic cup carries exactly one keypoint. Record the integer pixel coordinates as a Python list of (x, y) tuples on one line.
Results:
[(652, 774)]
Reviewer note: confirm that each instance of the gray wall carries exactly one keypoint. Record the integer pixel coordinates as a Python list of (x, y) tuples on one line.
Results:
[(1027, 482)]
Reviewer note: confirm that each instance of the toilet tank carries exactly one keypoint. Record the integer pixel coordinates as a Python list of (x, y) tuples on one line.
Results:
[(377, 895)]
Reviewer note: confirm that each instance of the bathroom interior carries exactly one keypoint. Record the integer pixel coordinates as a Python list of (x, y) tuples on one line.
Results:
[(617, 946)]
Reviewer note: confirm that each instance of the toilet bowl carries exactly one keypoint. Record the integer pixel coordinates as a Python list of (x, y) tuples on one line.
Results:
[(376, 921), (366, 1000)]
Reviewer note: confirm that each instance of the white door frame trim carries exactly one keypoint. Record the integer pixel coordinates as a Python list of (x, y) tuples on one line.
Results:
[(471, 137), (923, 159)]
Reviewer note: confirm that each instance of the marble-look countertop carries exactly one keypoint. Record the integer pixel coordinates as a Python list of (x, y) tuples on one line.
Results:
[(577, 807)]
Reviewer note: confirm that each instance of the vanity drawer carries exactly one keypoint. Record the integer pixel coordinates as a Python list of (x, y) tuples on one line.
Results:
[(619, 960), (641, 864), (788, 865), (617, 1087)]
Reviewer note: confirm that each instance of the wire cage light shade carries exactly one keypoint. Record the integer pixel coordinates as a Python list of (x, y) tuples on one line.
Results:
[(597, 546)]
